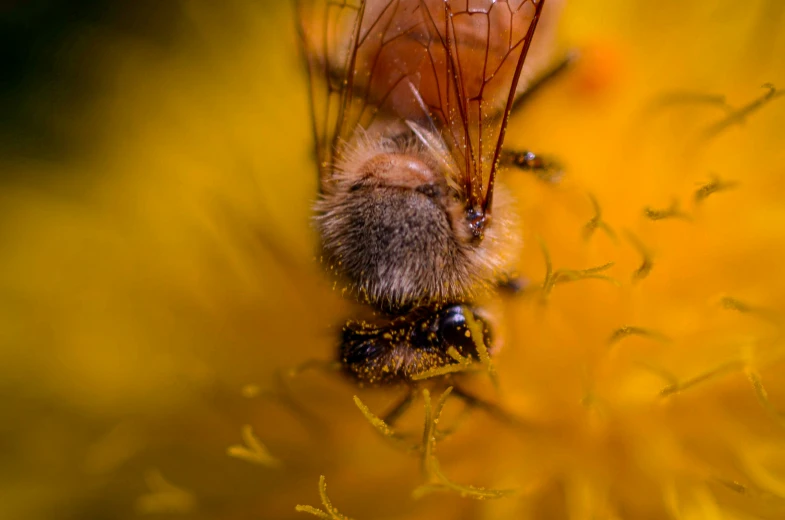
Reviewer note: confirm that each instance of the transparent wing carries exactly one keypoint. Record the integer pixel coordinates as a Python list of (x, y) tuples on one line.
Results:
[(328, 32), (476, 50), (452, 64)]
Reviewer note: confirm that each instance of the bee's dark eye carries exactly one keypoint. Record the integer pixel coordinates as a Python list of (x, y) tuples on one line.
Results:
[(452, 319), (456, 333)]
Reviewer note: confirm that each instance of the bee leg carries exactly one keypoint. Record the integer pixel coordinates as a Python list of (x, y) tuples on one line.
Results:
[(399, 409), (281, 393), (491, 409), (513, 285), (544, 80), (545, 168)]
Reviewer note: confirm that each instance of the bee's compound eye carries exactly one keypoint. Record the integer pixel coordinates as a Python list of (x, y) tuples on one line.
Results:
[(452, 318), (455, 331)]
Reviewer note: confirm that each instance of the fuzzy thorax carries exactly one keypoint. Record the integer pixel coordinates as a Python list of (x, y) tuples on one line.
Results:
[(393, 227)]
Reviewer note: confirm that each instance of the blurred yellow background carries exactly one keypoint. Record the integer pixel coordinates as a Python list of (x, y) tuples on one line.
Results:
[(158, 274)]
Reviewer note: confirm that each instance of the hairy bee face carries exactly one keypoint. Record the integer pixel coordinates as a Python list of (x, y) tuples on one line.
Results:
[(393, 228), (397, 350)]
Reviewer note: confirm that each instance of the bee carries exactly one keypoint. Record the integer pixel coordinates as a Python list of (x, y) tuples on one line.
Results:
[(410, 101)]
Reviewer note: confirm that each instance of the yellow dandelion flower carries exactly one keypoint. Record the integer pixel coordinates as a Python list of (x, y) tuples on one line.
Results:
[(167, 340)]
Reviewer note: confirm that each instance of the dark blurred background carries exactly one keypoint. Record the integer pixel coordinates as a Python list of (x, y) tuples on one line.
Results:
[(47, 68)]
